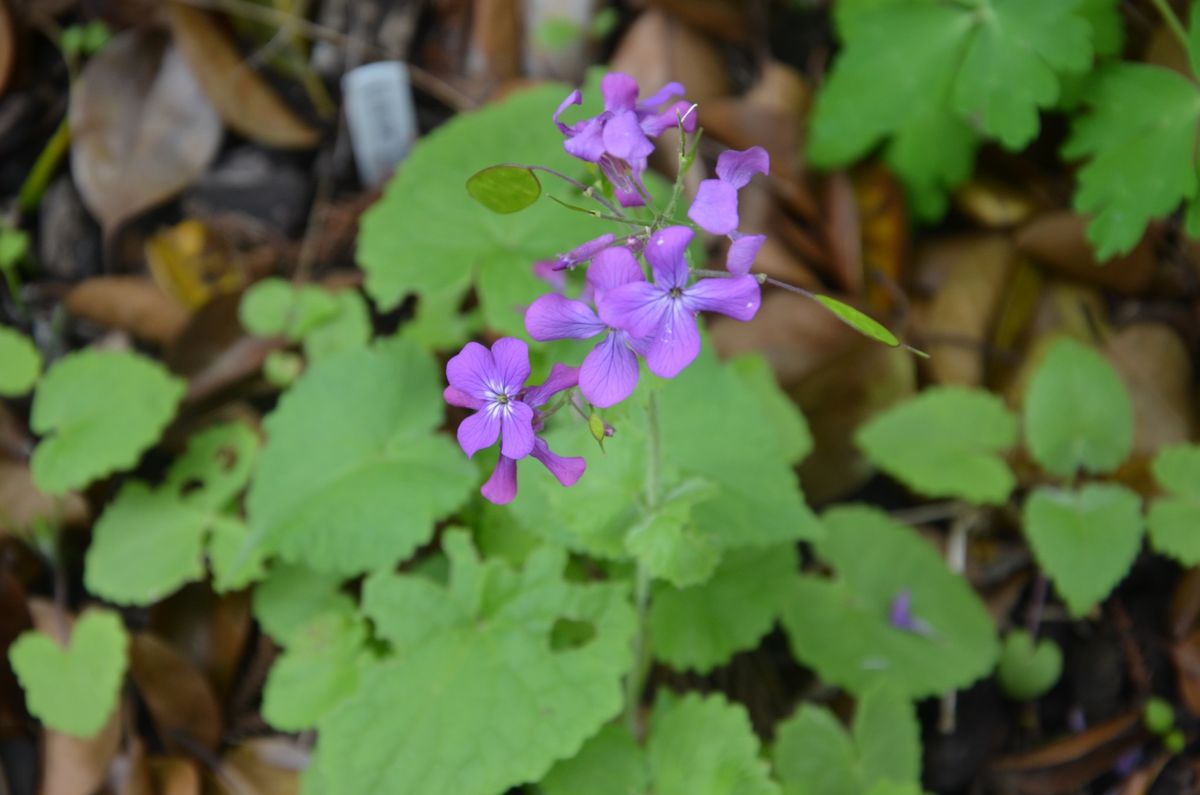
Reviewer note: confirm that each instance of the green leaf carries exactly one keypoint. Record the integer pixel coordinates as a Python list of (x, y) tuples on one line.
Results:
[(317, 672), (1139, 141), (667, 542), (1173, 522), (741, 450), (1158, 716), (1077, 412), (1026, 671), (14, 247), (291, 596), (610, 763), (815, 755), (922, 75), (431, 718), (426, 236), (791, 429), (20, 363), (275, 306), (1108, 27), (702, 627), (945, 442), (352, 477), (1085, 540), (840, 627), (149, 542), (1193, 39), (703, 745), (504, 189), (858, 321), (98, 411), (349, 328), (73, 690)]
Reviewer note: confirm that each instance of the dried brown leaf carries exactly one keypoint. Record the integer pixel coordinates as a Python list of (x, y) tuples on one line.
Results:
[(725, 19), (969, 275), (179, 698), (141, 127), (263, 766), (211, 630), (22, 505), (189, 263), (993, 204), (1066, 765), (242, 98), (129, 303), (658, 49), (1186, 656), (8, 45), (1058, 241)]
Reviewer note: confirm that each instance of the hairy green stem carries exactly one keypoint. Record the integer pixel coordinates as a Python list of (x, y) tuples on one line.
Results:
[(635, 682), (586, 190), (1168, 14)]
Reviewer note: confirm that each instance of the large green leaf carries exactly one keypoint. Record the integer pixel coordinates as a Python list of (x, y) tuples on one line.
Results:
[(475, 698), (742, 451), (841, 627), (924, 75), (318, 670), (352, 477), (98, 411), (1139, 142), (1085, 540), (945, 442), (701, 627), (427, 236), (611, 763), (1077, 412)]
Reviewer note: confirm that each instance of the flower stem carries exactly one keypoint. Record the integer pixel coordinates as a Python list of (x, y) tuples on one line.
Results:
[(586, 190), (1176, 27), (635, 682)]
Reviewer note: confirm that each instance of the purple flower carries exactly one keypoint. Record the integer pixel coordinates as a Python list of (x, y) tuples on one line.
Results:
[(665, 312), (501, 487), (900, 615), (491, 382), (715, 207), (609, 373), (584, 252), (618, 139)]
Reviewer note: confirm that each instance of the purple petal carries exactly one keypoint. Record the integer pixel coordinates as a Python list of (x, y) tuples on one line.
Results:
[(574, 98), (512, 363), (620, 91), (516, 425), (677, 343), (556, 317), (456, 397), (585, 252), (587, 141), (715, 207), (478, 431), (624, 139), (611, 268), (662, 97), (501, 487), (566, 470), (549, 272), (737, 168), (637, 307), (665, 255), (561, 377), (609, 373), (742, 252), (472, 370), (626, 179), (654, 124), (736, 296)]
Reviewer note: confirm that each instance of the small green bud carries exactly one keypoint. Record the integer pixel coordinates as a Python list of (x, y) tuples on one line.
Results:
[(1158, 716), (1175, 742)]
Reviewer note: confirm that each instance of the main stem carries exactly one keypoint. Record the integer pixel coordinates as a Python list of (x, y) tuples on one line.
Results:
[(1168, 14), (636, 680)]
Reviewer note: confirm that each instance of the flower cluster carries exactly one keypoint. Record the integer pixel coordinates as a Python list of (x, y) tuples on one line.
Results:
[(632, 315)]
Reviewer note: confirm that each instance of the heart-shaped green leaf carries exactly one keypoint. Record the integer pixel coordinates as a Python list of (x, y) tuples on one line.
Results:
[(1085, 540), (1026, 670), (1174, 522), (20, 363), (73, 690)]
